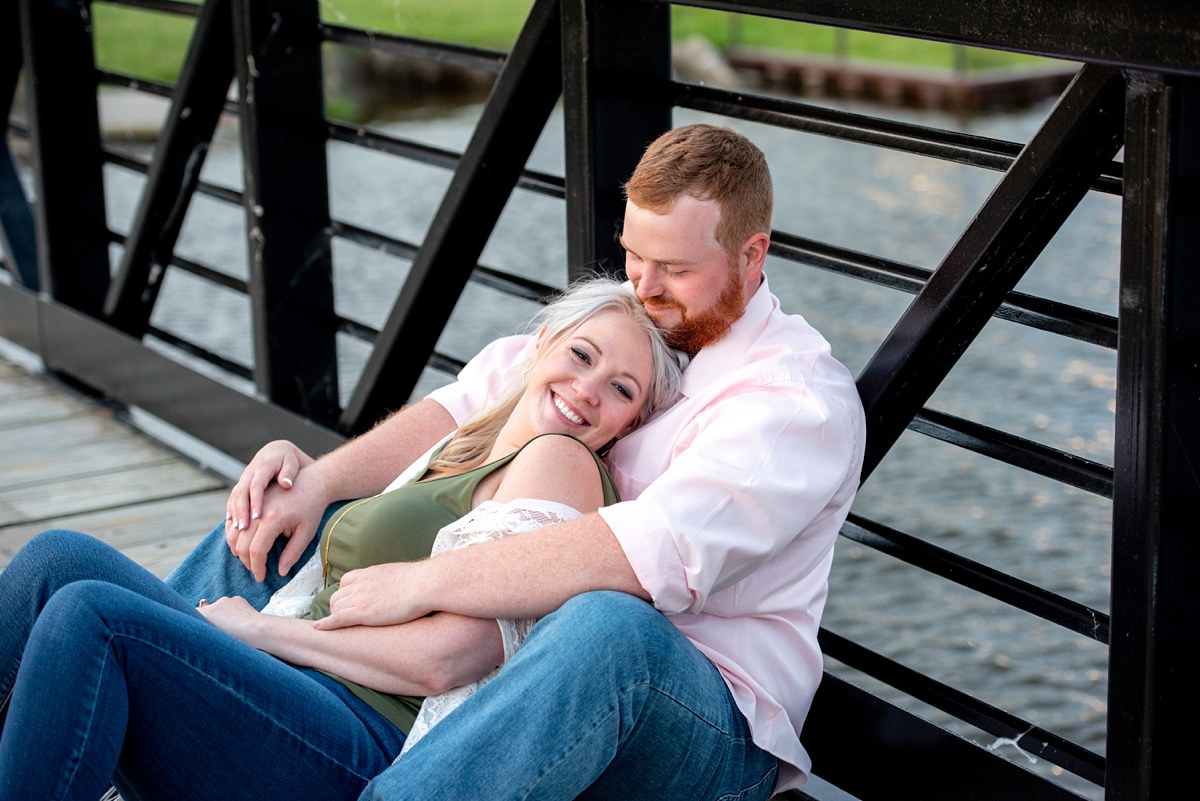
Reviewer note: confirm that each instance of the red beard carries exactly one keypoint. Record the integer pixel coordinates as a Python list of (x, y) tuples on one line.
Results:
[(709, 326)]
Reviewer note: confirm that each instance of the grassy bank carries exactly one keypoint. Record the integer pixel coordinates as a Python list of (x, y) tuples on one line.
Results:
[(151, 44)]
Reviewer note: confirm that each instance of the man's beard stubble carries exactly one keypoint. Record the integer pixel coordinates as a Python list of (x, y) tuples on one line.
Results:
[(710, 325)]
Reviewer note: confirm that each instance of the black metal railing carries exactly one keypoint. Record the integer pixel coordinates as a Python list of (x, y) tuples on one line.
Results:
[(1126, 127)]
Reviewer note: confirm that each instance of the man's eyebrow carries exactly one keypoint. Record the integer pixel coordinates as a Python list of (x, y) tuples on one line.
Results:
[(624, 373), (621, 242)]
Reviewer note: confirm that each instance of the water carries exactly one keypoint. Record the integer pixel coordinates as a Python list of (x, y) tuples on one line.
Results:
[(904, 207)]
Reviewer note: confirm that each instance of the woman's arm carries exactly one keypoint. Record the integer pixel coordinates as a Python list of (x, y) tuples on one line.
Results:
[(426, 656)]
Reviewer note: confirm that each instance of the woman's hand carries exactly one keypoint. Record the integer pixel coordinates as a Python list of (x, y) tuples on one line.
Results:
[(279, 461), (277, 495), (234, 616)]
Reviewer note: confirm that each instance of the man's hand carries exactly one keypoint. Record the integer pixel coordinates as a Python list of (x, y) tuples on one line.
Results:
[(382, 595)]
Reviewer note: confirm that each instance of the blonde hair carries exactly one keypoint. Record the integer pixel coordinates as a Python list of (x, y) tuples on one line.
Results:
[(707, 162), (584, 299)]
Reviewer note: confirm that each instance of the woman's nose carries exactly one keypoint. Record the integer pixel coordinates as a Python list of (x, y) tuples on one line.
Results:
[(587, 389)]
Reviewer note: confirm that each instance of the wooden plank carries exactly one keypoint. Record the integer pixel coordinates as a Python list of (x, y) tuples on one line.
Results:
[(79, 446), (35, 404), (169, 527), (78, 495), (67, 462)]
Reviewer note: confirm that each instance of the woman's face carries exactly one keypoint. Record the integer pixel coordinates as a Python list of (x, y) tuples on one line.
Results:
[(591, 383)]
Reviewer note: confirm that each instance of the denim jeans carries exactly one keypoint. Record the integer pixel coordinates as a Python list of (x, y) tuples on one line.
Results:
[(121, 680), (605, 700), (211, 572)]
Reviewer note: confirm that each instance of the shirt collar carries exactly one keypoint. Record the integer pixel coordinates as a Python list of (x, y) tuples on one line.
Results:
[(716, 360)]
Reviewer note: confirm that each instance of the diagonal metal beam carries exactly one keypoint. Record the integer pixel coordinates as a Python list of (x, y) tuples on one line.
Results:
[(515, 114), (196, 106), (1039, 191)]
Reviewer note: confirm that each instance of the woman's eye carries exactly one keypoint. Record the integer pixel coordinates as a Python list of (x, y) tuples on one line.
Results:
[(624, 391), (581, 355)]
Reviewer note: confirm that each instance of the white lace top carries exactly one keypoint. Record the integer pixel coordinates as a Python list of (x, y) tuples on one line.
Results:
[(488, 521)]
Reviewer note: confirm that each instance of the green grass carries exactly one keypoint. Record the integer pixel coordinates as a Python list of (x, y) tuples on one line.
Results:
[(152, 45)]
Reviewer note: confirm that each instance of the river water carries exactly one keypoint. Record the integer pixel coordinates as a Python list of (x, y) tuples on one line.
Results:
[(904, 207)]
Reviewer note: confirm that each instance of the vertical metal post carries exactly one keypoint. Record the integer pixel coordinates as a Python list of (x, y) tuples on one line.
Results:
[(64, 128), (283, 128), (1154, 698), (616, 100), (196, 107), (17, 238)]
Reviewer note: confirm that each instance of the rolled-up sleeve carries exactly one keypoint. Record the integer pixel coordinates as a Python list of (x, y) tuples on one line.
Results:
[(482, 377), (751, 470)]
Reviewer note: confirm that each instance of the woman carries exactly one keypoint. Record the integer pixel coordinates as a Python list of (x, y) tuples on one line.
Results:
[(107, 673)]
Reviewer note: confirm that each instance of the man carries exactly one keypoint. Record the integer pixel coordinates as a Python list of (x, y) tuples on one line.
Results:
[(733, 501)]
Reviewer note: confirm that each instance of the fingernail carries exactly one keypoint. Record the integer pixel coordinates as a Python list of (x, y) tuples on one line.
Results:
[(241, 524), (285, 481), (253, 514), (228, 516)]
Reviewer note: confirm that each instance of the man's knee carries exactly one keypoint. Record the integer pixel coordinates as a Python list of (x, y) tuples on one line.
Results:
[(613, 627)]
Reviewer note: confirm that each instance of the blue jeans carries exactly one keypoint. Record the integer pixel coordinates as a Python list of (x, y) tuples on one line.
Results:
[(111, 676), (605, 700), (211, 572)]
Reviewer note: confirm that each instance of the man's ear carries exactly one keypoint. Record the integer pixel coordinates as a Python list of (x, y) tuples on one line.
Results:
[(754, 256)]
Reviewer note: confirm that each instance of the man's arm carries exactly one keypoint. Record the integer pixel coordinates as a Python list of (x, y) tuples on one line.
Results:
[(526, 576), (361, 467), (725, 506)]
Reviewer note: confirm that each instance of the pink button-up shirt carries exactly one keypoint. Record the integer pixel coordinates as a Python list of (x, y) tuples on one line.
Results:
[(733, 500)]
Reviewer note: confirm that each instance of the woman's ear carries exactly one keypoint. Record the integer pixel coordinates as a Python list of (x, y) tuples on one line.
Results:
[(541, 336)]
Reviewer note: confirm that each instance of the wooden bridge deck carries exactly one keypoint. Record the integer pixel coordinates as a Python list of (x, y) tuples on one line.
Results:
[(67, 461)]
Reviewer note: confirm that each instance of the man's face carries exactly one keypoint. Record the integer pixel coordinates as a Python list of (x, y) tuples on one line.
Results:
[(681, 273)]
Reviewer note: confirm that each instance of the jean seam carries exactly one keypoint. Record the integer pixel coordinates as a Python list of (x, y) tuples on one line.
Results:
[(745, 793), (567, 751), (95, 693), (258, 708)]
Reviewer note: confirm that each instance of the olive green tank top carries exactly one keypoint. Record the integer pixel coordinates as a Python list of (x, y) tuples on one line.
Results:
[(400, 526)]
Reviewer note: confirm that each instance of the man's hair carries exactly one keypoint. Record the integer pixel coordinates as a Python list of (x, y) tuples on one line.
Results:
[(707, 162)]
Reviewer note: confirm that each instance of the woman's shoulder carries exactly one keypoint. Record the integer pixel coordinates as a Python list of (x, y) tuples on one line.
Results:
[(556, 467)]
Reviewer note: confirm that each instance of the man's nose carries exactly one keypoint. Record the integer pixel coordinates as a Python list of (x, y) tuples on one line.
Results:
[(648, 285)]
